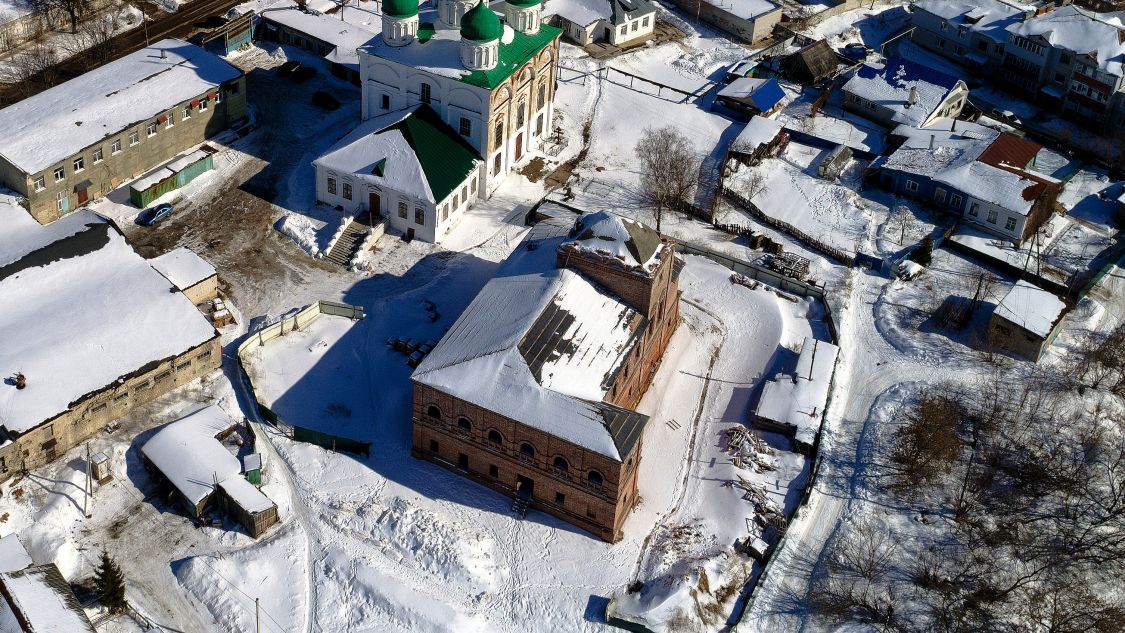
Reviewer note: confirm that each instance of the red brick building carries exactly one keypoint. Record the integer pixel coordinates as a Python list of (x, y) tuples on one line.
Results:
[(531, 392)]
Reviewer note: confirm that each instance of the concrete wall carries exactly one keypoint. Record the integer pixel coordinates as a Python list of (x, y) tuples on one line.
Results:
[(1006, 335), (601, 510), (205, 290), (91, 414), (749, 30), (131, 160)]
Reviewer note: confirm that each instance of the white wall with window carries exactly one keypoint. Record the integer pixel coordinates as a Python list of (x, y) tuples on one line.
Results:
[(995, 219)]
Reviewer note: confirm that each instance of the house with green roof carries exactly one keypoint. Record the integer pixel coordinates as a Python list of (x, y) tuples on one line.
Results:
[(489, 77), (407, 166)]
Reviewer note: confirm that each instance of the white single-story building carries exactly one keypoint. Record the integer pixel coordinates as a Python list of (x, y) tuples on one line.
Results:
[(407, 166), (616, 22), (795, 404)]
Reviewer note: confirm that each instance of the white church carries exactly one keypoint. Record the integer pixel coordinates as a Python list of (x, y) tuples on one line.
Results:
[(490, 81)]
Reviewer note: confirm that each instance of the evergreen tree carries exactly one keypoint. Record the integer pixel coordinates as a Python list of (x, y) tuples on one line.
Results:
[(109, 583), (924, 253)]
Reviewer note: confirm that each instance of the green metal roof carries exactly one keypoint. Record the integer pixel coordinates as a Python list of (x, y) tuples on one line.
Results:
[(524, 3), (481, 24), (400, 8), (513, 56), (446, 158)]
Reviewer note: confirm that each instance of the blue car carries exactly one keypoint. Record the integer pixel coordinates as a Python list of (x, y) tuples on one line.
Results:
[(152, 215)]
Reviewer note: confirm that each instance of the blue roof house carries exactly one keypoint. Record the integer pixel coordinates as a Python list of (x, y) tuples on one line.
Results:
[(902, 92), (749, 96)]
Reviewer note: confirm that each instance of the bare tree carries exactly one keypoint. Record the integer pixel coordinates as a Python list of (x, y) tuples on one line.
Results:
[(854, 586), (669, 169), (33, 68), (927, 444)]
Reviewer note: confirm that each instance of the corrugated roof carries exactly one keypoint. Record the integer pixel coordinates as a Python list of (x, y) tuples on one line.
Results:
[(1009, 149)]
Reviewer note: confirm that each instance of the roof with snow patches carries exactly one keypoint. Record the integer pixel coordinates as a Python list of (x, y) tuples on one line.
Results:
[(541, 345), (989, 18), (586, 12), (1081, 32), (889, 85), (344, 34), (1031, 308), (1006, 189), (80, 277), (634, 244), (411, 151), (40, 599), (183, 267), (57, 123)]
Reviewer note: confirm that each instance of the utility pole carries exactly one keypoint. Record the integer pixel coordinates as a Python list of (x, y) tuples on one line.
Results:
[(257, 616), (89, 489)]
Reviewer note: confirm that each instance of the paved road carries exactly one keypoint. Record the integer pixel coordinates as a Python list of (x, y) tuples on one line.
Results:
[(158, 25)]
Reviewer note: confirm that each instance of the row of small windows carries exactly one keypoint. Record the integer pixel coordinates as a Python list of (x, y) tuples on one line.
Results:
[(97, 155), (495, 438), (625, 28)]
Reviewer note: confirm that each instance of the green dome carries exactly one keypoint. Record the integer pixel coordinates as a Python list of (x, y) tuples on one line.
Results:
[(481, 24), (524, 3), (400, 8)]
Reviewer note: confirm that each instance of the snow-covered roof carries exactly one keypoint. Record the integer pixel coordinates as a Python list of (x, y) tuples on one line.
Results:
[(607, 234), (1001, 187), (586, 12), (763, 93), (946, 154), (758, 130), (1081, 32), (61, 121), (1031, 308), (190, 457), (411, 151), (44, 601), (83, 279), (540, 345), (183, 267), (13, 555), (22, 234), (945, 132), (799, 400), (746, 9), (438, 51), (342, 34), (990, 18), (889, 85)]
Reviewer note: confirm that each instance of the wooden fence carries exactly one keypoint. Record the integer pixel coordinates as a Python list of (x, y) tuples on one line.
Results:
[(831, 251)]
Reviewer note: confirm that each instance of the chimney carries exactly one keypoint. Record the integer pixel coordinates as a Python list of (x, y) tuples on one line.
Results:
[(931, 141), (163, 54), (913, 98), (953, 126), (21, 380)]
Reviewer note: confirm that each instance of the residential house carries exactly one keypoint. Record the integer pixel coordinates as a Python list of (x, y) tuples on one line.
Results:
[(532, 391), (335, 37), (985, 177), (615, 22), (80, 139), (201, 473), (760, 138), (492, 81), (748, 97), (971, 32), (91, 331), (407, 166), (1026, 321), (899, 91)]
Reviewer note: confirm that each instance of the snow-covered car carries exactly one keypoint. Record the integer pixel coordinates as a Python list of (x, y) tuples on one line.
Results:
[(1006, 116), (152, 215)]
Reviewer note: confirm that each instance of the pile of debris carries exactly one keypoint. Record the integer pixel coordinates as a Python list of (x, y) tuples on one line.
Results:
[(414, 351), (749, 450)]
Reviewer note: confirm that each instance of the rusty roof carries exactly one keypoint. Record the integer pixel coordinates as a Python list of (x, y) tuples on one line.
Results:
[(1010, 150)]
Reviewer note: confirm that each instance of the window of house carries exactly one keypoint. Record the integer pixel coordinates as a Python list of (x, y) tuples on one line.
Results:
[(134, 138), (464, 425), (115, 147), (1010, 224), (419, 216), (202, 105), (955, 200), (40, 183), (60, 201), (218, 96), (171, 122), (433, 446), (332, 186), (1059, 78), (561, 464), (1064, 58), (187, 112), (521, 112), (79, 164), (634, 26), (60, 173), (560, 498), (493, 471), (385, 102), (527, 450), (494, 437), (151, 130), (233, 88), (347, 191), (644, 23), (539, 125), (974, 209), (402, 210), (433, 411), (939, 195), (496, 164), (98, 156), (462, 461), (498, 132), (425, 93), (473, 186), (542, 98), (992, 216), (466, 127), (595, 478), (911, 185), (944, 25)]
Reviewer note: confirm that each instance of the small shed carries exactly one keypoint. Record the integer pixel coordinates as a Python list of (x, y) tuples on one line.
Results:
[(834, 163), (740, 69), (1026, 321), (99, 468), (747, 97), (189, 273), (794, 405), (810, 64), (760, 138), (177, 173)]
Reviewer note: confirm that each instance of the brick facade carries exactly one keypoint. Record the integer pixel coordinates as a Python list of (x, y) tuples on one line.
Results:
[(500, 452), (91, 413)]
